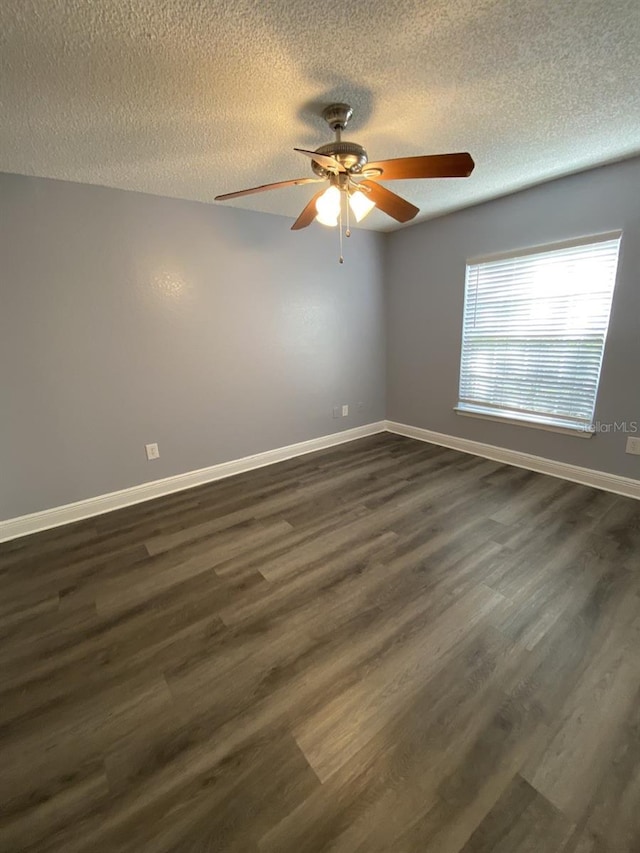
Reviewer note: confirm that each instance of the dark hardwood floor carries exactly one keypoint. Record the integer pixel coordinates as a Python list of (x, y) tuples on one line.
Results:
[(386, 646)]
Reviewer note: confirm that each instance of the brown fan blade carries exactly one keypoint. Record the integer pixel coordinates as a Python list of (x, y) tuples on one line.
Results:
[(294, 183), (431, 166), (308, 214), (322, 160), (393, 205)]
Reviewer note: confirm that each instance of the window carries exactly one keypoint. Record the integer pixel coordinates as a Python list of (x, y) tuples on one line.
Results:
[(534, 330)]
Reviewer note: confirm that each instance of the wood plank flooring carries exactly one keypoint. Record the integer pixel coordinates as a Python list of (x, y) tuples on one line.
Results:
[(385, 646)]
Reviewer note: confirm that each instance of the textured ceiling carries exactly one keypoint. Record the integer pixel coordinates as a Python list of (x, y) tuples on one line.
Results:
[(191, 98)]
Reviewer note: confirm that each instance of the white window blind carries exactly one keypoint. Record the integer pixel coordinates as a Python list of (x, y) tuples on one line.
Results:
[(534, 331)]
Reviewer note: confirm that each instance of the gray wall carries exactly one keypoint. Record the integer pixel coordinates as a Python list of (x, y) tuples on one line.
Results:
[(127, 319), (425, 268), (218, 333)]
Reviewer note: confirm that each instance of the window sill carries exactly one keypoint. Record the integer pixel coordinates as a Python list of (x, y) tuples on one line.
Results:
[(507, 419)]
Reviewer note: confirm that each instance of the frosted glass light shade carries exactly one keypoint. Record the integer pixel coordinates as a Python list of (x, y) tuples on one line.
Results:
[(328, 207), (360, 204)]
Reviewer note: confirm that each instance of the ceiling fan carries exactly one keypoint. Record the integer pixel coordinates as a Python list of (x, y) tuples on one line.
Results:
[(345, 165)]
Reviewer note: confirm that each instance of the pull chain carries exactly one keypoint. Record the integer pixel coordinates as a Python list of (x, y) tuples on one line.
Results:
[(340, 229), (346, 201)]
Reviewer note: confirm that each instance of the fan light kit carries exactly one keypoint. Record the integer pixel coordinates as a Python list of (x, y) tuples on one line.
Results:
[(354, 182)]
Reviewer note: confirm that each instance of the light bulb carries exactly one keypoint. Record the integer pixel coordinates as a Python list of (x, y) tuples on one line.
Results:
[(360, 204), (328, 207)]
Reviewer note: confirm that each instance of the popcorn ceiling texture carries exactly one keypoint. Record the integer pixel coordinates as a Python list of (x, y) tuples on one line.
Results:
[(191, 98)]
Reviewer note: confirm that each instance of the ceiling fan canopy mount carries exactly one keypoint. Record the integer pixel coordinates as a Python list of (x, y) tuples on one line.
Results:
[(337, 115)]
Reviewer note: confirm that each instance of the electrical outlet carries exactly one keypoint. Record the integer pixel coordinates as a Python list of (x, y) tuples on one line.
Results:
[(336, 411), (345, 411), (633, 445), (152, 451)]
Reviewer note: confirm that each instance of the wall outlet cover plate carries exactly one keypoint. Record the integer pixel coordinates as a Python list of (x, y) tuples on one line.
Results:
[(152, 451), (633, 445)]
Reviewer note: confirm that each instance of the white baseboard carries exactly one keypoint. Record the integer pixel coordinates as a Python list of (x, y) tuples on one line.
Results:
[(586, 476), (12, 528)]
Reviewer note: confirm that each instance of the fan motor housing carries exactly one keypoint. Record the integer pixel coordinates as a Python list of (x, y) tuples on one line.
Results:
[(352, 156)]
